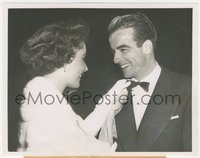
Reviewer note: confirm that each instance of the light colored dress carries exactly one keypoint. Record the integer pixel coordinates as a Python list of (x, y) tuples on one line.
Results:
[(51, 126)]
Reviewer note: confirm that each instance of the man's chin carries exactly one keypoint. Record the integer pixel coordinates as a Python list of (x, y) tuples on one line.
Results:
[(126, 75)]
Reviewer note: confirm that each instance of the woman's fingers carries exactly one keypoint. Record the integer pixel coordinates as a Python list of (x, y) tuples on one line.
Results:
[(118, 93), (120, 85)]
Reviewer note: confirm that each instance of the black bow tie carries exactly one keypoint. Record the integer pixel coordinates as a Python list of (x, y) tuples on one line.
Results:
[(144, 85)]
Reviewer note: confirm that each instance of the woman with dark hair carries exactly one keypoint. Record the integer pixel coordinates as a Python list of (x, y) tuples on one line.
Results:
[(54, 55)]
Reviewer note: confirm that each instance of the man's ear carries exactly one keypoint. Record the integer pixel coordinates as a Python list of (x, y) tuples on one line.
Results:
[(147, 47)]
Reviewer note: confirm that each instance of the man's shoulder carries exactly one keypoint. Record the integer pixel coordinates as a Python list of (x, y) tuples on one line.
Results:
[(175, 81), (178, 77)]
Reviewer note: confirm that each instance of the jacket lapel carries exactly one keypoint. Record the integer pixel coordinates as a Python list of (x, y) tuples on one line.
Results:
[(157, 114), (126, 128)]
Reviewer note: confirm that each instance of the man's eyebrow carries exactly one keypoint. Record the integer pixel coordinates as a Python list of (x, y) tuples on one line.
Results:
[(123, 46)]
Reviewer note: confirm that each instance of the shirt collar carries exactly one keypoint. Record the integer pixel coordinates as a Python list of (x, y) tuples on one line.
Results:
[(154, 75), (152, 78)]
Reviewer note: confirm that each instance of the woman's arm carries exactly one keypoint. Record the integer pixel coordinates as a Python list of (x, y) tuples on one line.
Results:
[(93, 123)]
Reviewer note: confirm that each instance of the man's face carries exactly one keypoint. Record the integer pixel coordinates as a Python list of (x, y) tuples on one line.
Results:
[(127, 54)]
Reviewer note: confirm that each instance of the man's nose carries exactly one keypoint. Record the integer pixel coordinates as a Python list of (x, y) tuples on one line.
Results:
[(117, 57)]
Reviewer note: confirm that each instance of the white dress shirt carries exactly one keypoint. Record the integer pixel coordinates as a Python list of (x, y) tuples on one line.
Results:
[(140, 98)]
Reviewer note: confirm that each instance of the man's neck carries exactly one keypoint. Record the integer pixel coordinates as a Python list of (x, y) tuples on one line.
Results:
[(148, 69)]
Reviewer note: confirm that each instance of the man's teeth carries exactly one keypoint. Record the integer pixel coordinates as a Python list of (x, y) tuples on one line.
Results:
[(123, 66)]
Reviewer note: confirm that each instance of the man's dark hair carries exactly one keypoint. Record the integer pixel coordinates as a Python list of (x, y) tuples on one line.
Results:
[(142, 26)]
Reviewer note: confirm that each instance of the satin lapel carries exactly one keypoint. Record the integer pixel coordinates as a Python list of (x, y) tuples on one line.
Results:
[(156, 116), (126, 128)]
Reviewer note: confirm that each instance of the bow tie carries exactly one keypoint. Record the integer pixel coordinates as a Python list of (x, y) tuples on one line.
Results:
[(144, 85)]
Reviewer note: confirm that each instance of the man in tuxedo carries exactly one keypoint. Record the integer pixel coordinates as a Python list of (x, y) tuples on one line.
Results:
[(157, 116)]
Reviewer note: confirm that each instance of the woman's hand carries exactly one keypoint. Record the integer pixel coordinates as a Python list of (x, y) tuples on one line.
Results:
[(117, 95)]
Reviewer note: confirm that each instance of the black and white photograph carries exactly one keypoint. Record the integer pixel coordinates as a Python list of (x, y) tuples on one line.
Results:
[(94, 80)]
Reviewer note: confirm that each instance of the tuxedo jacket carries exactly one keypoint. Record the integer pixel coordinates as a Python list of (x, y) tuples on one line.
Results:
[(167, 121)]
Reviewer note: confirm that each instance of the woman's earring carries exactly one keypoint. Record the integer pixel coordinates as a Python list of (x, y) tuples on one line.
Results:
[(71, 59), (64, 67)]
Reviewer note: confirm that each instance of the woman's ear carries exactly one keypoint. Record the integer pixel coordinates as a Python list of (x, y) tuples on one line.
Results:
[(67, 64), (147, 47)]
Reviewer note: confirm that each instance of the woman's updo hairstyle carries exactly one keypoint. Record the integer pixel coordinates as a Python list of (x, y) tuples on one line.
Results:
[(52, 46)]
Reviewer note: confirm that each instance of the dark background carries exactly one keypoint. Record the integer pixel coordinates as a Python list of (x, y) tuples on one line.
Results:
[(174, 50)]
